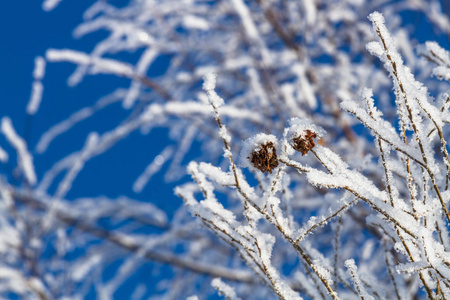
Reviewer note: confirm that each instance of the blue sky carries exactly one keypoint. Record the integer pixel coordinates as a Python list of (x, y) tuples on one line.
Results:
[(29, 32)]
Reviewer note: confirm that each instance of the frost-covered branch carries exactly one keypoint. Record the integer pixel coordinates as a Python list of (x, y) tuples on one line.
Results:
[(289, 197)]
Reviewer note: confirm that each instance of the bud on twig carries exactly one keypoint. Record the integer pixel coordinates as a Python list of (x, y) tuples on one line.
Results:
[(265, 159), (304, 142), (260, 152), (299, 136)]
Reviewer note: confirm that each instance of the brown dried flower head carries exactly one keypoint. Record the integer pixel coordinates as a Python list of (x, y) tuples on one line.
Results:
[(265, 159), (304, 142)]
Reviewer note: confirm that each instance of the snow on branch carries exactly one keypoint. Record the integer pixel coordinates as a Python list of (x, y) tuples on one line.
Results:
[(24, 157), (49, 5), (224, 289), (340, 191), (96, 64), (439, 56)]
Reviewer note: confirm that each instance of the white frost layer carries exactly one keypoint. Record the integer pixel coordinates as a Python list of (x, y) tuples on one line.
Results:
[(49, 5), (145, 61), (194, 22), (36, 97), (78, 164), (353, 272), (224, 289), (208, 86), (37, 88), (75, 118), (97, 64), (251, 30), (152, 168), (24, 158), (3, 155), (413, 100), (39, 68), (84, 267)]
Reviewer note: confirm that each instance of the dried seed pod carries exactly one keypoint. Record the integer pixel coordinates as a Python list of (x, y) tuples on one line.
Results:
[(265, 159), (304, 142), (299, 136)]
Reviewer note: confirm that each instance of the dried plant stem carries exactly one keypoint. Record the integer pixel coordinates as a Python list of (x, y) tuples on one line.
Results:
[(413, 124), (365, 199), (383, 138), (441, 138), (383, 158), (326, 220), (265, 214), (356, 280), (390, 271), (336, 251), (313, 279), (409, 174), (266, 270), (127, 244), (411, 258), (244, 252)]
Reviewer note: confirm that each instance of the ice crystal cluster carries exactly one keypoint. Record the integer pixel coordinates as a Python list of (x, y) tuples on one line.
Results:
[(313, 133)]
